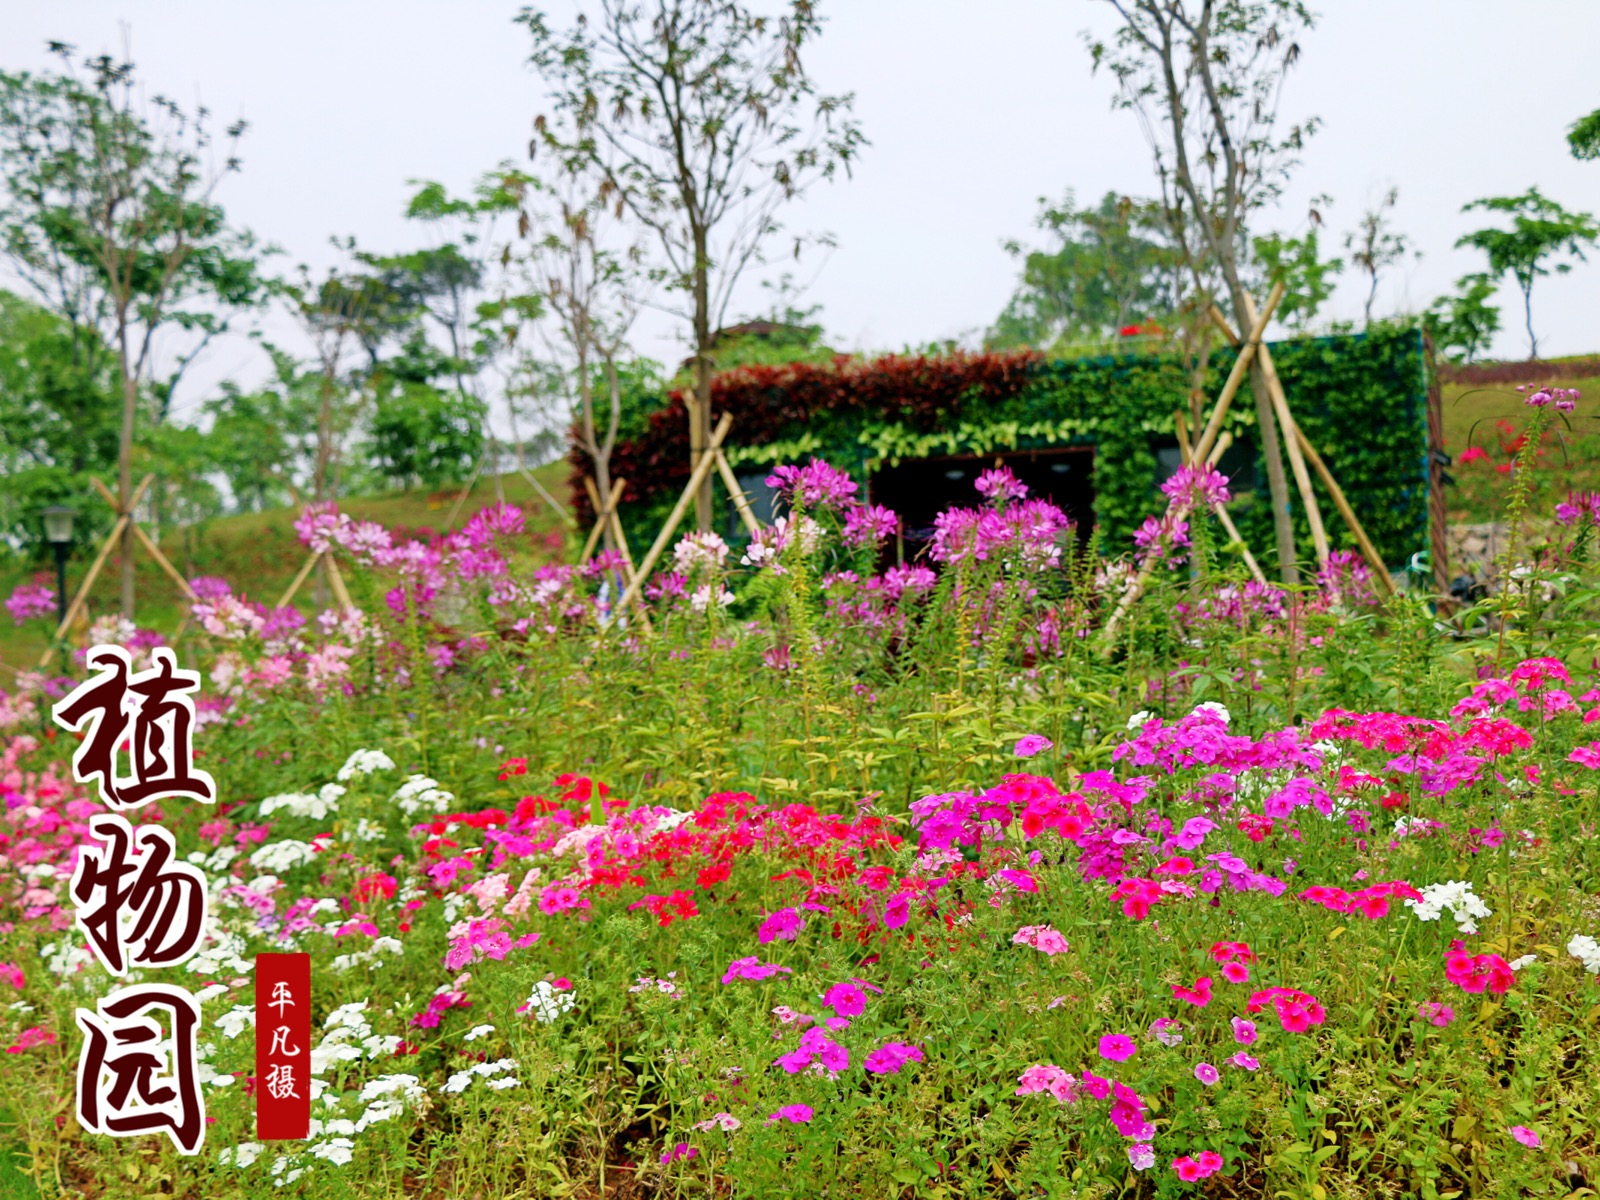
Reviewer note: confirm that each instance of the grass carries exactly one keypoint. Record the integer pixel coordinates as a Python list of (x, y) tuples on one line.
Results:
[(1472, 413)]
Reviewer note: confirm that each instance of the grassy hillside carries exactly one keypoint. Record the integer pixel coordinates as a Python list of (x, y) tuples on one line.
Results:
[(1488, 417), (259, 554)]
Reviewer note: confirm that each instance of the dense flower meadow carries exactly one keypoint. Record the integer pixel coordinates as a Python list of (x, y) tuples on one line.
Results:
[(825, 874)]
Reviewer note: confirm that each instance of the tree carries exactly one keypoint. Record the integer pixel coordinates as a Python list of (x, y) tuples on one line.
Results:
[(1307, 277), (1464, 324), (110, 217), (1111, 266), (702, 119), (58, 415), (1541, 231), (1374, 246), (1584, 136), (423, 433), (1205, 78), (588, 288)]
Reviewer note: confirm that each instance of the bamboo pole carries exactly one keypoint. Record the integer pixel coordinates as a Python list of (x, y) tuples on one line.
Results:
[(466, 491), (736, 493), (696, 478), (1241, 367), (1297, 462), (1368, 550), (149, 544), (602, 514), (570, 520), (1296, 436), (341, 594), (311, 562), (82, 596)]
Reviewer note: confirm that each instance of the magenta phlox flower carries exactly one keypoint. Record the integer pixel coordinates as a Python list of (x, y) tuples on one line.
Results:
[(681, 1150), (1030, 744), (1042, 938), (845, 999), (1167, 1031), (1436, 1014), (797, 1114), (1244, 1032), (888, 1058), (815, 1046), (1526, 1136), (1202, 1165), (751, 967), (1047, 1077), (1117, 1047), (1206, 1073), (1141, 1156), (1245, 1061), (1586, 756), (784, 925)]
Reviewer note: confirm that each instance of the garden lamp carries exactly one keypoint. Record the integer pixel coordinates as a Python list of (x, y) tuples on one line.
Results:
[(58, 532)]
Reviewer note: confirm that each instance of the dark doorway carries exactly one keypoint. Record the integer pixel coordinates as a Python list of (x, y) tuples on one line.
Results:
[(920, 489)]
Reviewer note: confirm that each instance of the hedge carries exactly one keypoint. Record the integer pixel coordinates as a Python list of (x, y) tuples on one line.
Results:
[(1361, 400)]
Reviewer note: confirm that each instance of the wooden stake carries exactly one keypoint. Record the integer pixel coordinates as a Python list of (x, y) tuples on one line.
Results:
[(466, 491), (149, 544), (310, 563), (736, 493), (602, 515), (1297, 462), (1374, 559), (696, 478), (1241, 367), (340, 593), (1296, 437), (82, 596), (539, 488)]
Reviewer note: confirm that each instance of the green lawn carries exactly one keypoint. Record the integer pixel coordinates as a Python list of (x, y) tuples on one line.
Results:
[(1570, 457)]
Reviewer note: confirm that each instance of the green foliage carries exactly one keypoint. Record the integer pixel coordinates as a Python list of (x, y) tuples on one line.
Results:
[(1307, 277), (421, 432), (1463, 325), (1541, 233), (1584, 136), (1361, 400), (1110, 266)]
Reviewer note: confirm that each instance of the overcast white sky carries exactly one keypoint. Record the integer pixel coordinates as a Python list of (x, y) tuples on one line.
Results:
[(974, 110)]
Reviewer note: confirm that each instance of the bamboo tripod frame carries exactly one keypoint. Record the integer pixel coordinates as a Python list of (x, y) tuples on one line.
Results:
[(1301, 449), (124, 519)]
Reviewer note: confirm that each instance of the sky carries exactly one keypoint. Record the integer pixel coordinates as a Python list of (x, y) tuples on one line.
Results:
[(973, 111)]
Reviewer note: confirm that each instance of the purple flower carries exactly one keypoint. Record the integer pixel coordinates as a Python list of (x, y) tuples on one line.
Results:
[(1244, 1032), (1117, 1047), (681, 1150), (31, 600), (752, 967), (869, 524), (784, 925), (888, 1058), (816, 485), (1031, 744), (1526, 1136), (799, 1114), (1207, 1074), (846, 999), (1244, 1060), (1000, 485)]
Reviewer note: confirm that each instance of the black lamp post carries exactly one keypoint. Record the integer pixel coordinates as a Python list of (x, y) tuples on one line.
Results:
[(58, 532)]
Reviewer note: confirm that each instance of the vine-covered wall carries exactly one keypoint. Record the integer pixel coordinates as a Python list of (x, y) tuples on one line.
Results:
[(1361, 400)]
